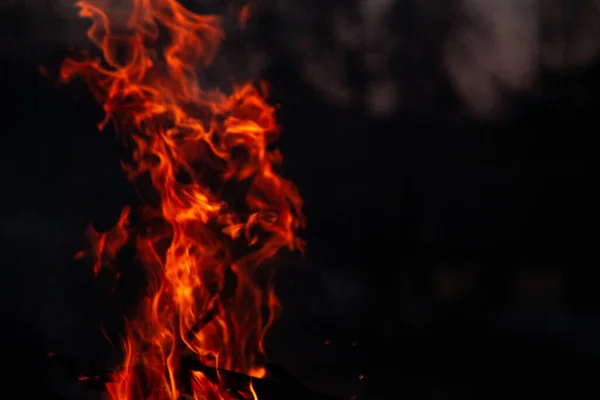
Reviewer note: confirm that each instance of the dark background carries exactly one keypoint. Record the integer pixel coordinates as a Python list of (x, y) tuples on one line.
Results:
[(448, 254)]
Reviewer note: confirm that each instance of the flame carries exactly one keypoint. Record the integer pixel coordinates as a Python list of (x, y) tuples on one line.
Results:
[(223, 213), (254, 396)]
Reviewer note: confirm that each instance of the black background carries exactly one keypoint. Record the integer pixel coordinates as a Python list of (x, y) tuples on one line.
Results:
[(447, 255)]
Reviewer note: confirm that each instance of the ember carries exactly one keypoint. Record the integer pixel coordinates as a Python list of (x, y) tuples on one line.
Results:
[(208, 256)]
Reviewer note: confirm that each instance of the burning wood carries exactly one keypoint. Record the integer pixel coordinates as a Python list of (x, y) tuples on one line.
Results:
[(218, 214), (285, 387)]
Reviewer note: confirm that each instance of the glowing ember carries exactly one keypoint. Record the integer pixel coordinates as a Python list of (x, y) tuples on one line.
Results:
[(203, 151)]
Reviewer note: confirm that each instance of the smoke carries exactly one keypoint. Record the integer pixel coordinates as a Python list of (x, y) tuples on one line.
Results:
[(499, 49), (324, 42), (484, 47), (509, 42), (30, 29), (382, 55)]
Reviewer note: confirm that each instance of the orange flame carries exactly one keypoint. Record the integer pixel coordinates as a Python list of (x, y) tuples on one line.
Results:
[(207, 254)]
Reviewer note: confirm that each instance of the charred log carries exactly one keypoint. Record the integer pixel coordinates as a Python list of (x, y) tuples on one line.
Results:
[(280, 386)]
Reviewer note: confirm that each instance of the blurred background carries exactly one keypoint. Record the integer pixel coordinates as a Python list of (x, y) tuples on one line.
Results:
[(445, 153)]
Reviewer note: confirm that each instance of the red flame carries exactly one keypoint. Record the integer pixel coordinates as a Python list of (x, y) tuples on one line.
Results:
[(203, 151)]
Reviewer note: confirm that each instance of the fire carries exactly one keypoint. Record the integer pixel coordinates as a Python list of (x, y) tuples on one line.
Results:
[(220, 212)]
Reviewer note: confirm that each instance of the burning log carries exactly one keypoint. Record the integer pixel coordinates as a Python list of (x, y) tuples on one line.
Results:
[(286, 387)]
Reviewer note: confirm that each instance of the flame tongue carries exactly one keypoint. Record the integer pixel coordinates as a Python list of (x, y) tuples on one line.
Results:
[(222, 212)]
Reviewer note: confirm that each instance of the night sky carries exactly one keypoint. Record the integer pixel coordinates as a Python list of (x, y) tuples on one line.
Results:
[(451, 231)]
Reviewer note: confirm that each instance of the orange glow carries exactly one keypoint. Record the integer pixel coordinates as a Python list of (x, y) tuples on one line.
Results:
[(244, 15), (223, 213)]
